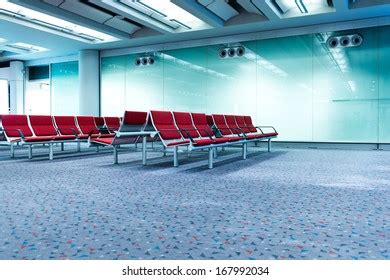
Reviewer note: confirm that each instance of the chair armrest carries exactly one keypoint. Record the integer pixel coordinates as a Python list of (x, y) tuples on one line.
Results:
[(266, 126)]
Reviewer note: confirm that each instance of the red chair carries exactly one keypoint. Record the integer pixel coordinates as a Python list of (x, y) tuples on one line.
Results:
[(254, 129), (112, 123), (232, 124), (88, 128), (44, 129), (224, 130)]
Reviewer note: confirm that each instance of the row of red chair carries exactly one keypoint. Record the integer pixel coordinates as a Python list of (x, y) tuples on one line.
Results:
[(192, 131), (32, 129)]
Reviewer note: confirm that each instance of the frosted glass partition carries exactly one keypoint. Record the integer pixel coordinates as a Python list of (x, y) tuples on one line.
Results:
[(65, 88), (284, 79), (307, 90), (345, 90), (4, 100)]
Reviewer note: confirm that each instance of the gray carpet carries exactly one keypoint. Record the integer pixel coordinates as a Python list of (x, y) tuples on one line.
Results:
[(288, 204)]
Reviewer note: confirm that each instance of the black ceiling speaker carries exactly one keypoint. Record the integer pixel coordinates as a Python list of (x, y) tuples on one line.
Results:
[(332, 42), (240, 51), (344, 41), (356, 40), (137, 61), (222, 53), (231, 52), (144, 61), (150, 60)]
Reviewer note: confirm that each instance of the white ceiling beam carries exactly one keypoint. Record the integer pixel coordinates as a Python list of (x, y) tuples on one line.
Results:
[(267, 9), (199, 11)]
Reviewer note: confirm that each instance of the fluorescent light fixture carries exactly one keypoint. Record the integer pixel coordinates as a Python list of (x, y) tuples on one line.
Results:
[(173, 17), (174, 13), (2, 40), (65, 28), (27, 47), (301, 6)]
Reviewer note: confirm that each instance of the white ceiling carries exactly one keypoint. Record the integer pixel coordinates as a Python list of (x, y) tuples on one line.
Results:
[(134, 29)]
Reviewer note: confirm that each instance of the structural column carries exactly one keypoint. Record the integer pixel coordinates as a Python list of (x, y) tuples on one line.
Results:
[(89, 82), (16, 83)]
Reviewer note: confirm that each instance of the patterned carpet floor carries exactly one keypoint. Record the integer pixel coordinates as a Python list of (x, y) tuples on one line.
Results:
[(288, 204)]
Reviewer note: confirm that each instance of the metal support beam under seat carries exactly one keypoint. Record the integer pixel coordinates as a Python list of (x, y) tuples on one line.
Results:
[(12, 150), (115, 155), (269, 145), (29, 151), (144, 150), (176, 156), (211, 156), (78, 146), (244, 150), (62, 146), (51, 151)]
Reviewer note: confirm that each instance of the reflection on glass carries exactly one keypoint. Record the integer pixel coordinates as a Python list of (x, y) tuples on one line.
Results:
[(307, 90), (65, 88)]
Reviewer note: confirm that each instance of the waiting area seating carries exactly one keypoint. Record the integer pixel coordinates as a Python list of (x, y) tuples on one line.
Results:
[(177, 131), (30, 130)]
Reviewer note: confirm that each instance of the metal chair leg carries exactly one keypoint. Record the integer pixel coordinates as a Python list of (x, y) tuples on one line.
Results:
[(176, 157)]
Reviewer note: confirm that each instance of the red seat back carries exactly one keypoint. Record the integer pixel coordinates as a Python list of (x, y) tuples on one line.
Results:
[(241, 123), (184, 122), (231, 122), (164, 123), (11, 124), (200, 122), (87, 124), (210, 120), (99, 121), (42, 125), (249, 124), (135, 118), (220, 123), (66, 125), (112, 123)]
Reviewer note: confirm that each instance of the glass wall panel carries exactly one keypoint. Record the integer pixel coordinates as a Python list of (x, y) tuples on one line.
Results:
[(384, 85), (345, 87), (37, 97), (185, 76), (144, 83), (113, 84), (231, 81), (284, 86), (4, 97), (65, 88)]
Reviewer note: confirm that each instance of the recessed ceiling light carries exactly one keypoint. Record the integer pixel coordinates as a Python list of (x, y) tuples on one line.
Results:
[(32, 18)]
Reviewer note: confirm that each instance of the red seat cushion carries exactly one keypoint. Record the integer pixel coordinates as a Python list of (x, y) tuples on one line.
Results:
[(178, 143), (38, 139), (105, 141), (203, 142), (64, 137), (221, 140), (270, 134), (233, 138)]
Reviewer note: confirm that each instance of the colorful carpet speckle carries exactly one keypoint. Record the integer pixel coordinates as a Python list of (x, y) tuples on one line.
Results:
[(288, 204)]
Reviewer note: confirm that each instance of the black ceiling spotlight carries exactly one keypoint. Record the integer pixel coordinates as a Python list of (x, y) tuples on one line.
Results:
[(222, 53), (344, 41), (356, 40), (137, 61), (145, 60), (332, 42), (240, 51), (231, 52)]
